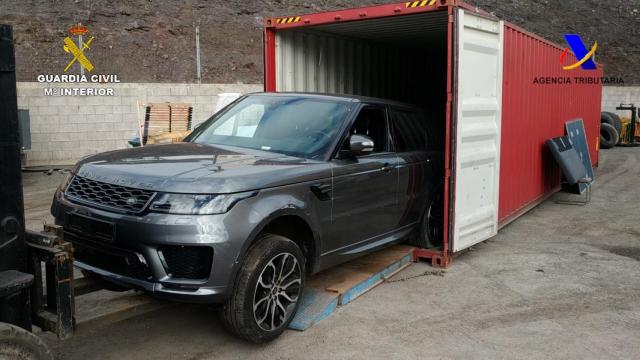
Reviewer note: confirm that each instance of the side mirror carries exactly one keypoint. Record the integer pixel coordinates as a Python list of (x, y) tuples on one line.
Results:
[(360, 144)]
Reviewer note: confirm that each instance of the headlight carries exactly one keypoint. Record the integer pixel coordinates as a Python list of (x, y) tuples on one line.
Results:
[(194, 204), (66, 181)]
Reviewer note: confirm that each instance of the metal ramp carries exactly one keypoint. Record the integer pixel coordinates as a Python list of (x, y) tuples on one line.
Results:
[(339, 286)]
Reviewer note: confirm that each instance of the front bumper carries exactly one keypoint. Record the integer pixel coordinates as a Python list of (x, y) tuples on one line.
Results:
[(135, 255)]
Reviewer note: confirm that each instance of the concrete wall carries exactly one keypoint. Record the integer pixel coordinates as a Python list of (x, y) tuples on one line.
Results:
[(613, 96), (67, 128)]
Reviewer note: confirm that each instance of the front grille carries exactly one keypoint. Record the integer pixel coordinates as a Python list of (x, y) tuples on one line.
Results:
[(110, 258), (187, 262), (107, 195)]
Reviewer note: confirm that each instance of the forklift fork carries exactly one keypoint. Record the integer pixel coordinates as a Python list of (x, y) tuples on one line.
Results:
[(52, 297)]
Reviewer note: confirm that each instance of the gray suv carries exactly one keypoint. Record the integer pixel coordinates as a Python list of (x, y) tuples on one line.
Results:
[(274, 187)]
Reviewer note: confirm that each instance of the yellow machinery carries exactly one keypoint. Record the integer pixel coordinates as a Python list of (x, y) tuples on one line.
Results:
[(630, 132)]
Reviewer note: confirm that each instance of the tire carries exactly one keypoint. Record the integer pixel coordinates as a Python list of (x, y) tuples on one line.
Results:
[(253, 288), (18, 343), (611, 119), (430, 232), (609, 137)]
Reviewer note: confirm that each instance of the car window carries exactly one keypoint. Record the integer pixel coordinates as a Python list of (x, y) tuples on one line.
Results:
[(292, 125), (409, 130), (371, 121), (244, 123)]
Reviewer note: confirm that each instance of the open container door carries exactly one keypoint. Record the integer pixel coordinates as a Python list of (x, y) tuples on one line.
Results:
[(477, 134)]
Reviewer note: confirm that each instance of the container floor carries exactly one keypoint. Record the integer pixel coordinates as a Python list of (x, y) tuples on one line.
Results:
[(560, 282)]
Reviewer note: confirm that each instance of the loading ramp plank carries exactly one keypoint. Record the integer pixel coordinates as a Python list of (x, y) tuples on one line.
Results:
[(339, 286)]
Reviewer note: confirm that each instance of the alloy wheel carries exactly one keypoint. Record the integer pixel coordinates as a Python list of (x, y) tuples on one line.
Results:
[(277, 291)]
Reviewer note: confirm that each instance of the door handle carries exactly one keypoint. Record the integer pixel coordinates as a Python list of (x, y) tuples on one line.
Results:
[(387, 167)]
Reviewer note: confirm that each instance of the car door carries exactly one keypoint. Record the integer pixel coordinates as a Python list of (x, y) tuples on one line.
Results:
[(365, 188), (418, 164)]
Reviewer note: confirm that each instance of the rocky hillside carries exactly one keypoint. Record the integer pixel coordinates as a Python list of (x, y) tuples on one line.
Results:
[(153, 40)]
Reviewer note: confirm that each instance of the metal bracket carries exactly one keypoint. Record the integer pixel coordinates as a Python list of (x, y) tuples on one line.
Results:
[(582, 202), (439, 259)]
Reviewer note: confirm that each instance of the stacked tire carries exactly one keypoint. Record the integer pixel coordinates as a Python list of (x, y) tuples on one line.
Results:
[(18, 343), (610, 127)]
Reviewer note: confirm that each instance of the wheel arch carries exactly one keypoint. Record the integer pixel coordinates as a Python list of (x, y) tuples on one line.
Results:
[(293, 224)]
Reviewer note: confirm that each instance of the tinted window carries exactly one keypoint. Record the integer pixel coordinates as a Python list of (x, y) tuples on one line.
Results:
[(371, 121), (409, 130), (304, 127)]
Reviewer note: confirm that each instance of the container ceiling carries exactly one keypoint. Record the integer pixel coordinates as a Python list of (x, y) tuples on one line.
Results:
[(421, 28)]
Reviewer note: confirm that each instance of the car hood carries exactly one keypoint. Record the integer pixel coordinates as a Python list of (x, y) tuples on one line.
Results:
[(199, 169)]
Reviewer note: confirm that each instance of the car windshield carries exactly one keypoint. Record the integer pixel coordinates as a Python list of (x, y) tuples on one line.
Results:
[(291, 125)]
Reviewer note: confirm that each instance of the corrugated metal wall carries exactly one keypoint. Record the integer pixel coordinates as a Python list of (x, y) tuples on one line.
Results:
[(312, 61), (315, 62), (533, 113), (401, 59)]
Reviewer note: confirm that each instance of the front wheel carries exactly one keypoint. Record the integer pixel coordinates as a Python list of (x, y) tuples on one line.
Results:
[(430, 235), (267, 291)]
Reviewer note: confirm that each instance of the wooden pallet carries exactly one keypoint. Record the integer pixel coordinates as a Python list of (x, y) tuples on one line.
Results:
[(161, 118), (341, 285)]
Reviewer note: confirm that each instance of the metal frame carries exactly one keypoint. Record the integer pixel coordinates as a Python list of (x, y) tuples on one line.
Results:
[(14, 282), (442, 258), (583, 201), (54, 309), (269, 38), (354, 14)]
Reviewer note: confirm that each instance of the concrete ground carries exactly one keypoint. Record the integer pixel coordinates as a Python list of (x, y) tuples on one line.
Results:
[(560, 282)]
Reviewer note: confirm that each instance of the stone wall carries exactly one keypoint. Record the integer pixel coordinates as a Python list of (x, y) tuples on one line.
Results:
[(67, 128)]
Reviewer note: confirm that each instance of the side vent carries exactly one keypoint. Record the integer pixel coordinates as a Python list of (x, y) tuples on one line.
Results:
[(322, 191)]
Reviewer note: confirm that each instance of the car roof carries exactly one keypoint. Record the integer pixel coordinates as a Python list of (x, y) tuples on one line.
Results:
[(338, 97)]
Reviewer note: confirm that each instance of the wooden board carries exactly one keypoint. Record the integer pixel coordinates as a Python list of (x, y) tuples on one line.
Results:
[(104, 307)]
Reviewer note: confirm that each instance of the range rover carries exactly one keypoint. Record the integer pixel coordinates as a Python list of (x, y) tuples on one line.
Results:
[(273, 188)]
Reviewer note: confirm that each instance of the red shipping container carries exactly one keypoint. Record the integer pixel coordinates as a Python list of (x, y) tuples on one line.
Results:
[(533, 113), (495, 92)]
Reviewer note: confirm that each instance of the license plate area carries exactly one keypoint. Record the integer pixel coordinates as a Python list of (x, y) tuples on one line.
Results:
[(91, 228)]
